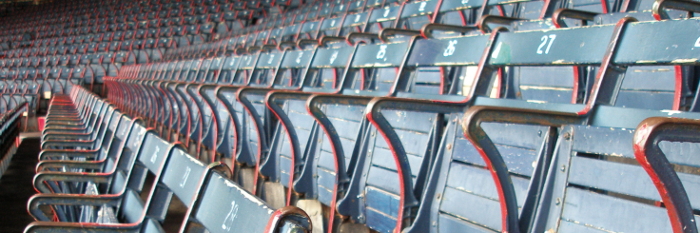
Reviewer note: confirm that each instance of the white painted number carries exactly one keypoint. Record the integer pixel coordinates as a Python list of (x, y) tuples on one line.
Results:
[(228, 221), (272, 57), (299, 57), (333, 23), (334, 56), (697, 42), (357, 18), (155, 155), (185, 176), (546, 41), (465, 1), (421, 8), (450, 48), (382, 52), (386, 12)]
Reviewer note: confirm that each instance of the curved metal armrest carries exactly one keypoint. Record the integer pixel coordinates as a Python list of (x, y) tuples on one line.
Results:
[(560, 14), (58, 154), (65, 130), (385, 33), (471, 126), (314, 105), (66, 127), (77, 227), (647, 137), (42, 177), (485, 20), (272, 100), (44, 165), (660, 6), (253, 49), (428, 29), (326, 39), (60, 114), (299, 220), (65, 122), (38, 200), (286, 44), (304, 42), (66, 136), (49, 144), (360, 35), (240, 50), (268, 47), (375, 115)]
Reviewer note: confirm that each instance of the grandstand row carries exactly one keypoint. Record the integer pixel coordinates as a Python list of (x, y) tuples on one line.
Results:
[(344, 116)]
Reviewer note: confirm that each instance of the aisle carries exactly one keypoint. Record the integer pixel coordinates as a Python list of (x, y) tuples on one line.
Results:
[(16, 187)]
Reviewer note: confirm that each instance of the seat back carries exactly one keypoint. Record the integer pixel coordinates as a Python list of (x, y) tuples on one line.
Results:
[(243, 211), (595, 183)]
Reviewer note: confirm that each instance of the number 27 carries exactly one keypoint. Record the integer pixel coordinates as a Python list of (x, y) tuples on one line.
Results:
[(547, 40)]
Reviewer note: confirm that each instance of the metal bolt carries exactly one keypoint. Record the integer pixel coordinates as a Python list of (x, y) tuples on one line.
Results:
[(567, 136), (539, 133), (438, 196), (563, 168), (558, 201), (372, 134), (449, 146)]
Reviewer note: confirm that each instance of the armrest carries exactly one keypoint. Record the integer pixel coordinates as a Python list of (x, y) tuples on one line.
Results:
[(63, 136), (429, 28), (361, 35), (274, 101), (45, 165), (326, 39), (647, 137), (286, 44), (65, 120), (65, 130), (560, 14), (53, 154), (297, 219), (38, 200), (50, 144), (268, 47), (385, 33), (304, 42), (485, 20), (253, 49), (659, 8), (42, 177), (471, 125), (36, 227), (375, 115)]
